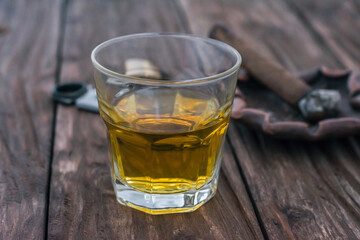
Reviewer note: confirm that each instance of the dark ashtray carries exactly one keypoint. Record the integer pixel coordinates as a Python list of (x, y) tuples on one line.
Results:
[(259, 108)]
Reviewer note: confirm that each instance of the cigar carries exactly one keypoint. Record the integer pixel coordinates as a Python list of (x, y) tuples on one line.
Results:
[(314, 105)]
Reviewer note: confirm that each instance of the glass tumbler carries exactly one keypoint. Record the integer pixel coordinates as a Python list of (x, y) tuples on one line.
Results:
[(165, 99)]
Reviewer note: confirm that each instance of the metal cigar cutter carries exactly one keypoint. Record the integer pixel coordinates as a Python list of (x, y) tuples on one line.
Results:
[(80, 94)]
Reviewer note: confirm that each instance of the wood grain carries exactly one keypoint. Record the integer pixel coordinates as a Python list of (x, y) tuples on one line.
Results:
[(300, 190), (82, 201), (336, 24), (268, 26), (28, 45)]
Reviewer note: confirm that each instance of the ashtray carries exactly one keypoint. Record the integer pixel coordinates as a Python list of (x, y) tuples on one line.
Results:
[(259, 108)]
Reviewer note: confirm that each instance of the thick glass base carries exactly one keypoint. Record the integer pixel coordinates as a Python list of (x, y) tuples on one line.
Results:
[(155, 204)]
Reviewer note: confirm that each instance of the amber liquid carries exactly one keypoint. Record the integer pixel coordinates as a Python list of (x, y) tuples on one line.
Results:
[(165, 141)]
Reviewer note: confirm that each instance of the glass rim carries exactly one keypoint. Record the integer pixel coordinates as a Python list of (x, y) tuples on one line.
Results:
[(139, 80)]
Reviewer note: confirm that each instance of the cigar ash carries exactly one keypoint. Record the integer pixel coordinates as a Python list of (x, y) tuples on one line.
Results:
[(319, 104)]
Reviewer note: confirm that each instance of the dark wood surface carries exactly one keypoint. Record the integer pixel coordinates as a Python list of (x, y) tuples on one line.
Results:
[(54, 177), (28, 67)]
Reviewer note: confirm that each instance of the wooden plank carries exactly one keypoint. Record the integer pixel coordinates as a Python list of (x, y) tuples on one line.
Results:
[(299, 189), (28, 45), (336, 23), (268, 26), (82, 201)]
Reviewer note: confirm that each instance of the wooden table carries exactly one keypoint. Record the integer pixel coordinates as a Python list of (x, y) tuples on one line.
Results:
[(54, 177)]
